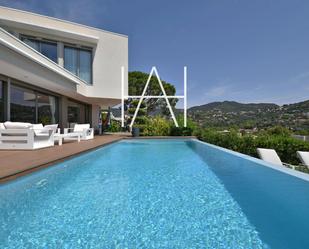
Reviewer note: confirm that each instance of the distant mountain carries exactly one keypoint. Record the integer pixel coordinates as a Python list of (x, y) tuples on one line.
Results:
[(231, 113), (300, 106), (233, 106)]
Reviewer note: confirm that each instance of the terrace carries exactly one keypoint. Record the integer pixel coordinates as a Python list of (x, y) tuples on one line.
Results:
[(162, 187), (15, 163)]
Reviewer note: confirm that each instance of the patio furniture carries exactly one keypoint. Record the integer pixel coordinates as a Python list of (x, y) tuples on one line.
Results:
[(83, 129), (69, 136), (303, 157), (271, 156), (24, 136)]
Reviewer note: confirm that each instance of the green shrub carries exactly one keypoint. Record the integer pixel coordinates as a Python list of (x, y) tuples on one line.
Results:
[(278, 131), (286, 146), (140, 111), (302, 132), (197, 132), (181, 130), (159, 126), (115, 126), (140, 118), (156, 126)]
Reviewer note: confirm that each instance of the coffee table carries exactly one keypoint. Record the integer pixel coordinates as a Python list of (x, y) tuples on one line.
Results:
[(60, 137)]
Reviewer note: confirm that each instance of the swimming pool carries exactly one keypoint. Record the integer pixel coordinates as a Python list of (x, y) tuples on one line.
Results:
[(156, 194)]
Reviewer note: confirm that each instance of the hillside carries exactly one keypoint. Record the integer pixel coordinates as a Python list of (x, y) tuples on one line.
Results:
[(233, 106), (261, 115)]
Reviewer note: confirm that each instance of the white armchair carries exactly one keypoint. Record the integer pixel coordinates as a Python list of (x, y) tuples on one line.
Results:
[(83, 129)]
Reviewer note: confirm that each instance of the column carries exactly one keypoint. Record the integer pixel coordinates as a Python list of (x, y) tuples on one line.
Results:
[(63, 112), (95, 111), (7, 100), (60, 52)]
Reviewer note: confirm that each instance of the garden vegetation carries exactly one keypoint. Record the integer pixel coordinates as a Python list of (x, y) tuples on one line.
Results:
[(277, 138)]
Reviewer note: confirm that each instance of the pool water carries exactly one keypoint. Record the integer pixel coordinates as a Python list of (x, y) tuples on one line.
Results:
[(155, 194)]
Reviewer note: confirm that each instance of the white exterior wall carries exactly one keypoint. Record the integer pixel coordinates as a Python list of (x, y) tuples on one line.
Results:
[(110, 50), (110, 55)]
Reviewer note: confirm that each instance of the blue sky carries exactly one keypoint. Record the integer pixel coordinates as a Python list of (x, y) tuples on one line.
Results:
[(242, 50)]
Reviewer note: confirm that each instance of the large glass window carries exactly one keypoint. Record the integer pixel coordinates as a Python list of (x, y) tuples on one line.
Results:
[(74, 114), (32, 43), (47, 48), (1, 102), (33, 107), (85, 65), (22, 105), (70, 59), (47, 109), (77, 113), (79, 62)]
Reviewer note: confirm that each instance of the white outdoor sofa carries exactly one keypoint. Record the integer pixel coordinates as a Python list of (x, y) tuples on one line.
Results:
[(26, 136), (271, 156), (84, 130)]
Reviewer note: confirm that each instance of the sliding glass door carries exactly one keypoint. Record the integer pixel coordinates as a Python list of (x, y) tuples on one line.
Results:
[(33, 107), (78, 113), (47, 109), (23, 103)]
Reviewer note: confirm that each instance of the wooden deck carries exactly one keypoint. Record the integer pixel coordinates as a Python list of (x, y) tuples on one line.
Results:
[(14, 163)]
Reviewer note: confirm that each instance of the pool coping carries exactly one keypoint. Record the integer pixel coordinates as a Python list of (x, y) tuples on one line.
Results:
[(292, 172), (288, 171), (51, 163), (30, 170)]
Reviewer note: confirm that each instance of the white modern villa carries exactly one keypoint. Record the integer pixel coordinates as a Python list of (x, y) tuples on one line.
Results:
[(55, 71)]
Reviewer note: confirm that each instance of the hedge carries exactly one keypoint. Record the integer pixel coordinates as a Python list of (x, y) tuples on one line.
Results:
[(285, 145)]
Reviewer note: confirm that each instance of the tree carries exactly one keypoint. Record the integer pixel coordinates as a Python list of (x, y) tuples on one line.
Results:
[(140, 120), (137, 81)]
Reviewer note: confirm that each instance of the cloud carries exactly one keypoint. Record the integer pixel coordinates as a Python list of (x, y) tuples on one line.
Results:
[(217, 91), (286, 99)]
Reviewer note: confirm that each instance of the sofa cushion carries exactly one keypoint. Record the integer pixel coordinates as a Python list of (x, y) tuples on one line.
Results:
[(17, 125), (81, 127), (39, 129), (37, 126), (52, 127)]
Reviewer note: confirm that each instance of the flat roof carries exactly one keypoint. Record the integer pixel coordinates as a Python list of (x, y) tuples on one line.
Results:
[(64, 21)]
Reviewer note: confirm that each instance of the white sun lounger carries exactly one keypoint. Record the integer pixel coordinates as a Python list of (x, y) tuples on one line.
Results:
[(271, 156), (303, 157)]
